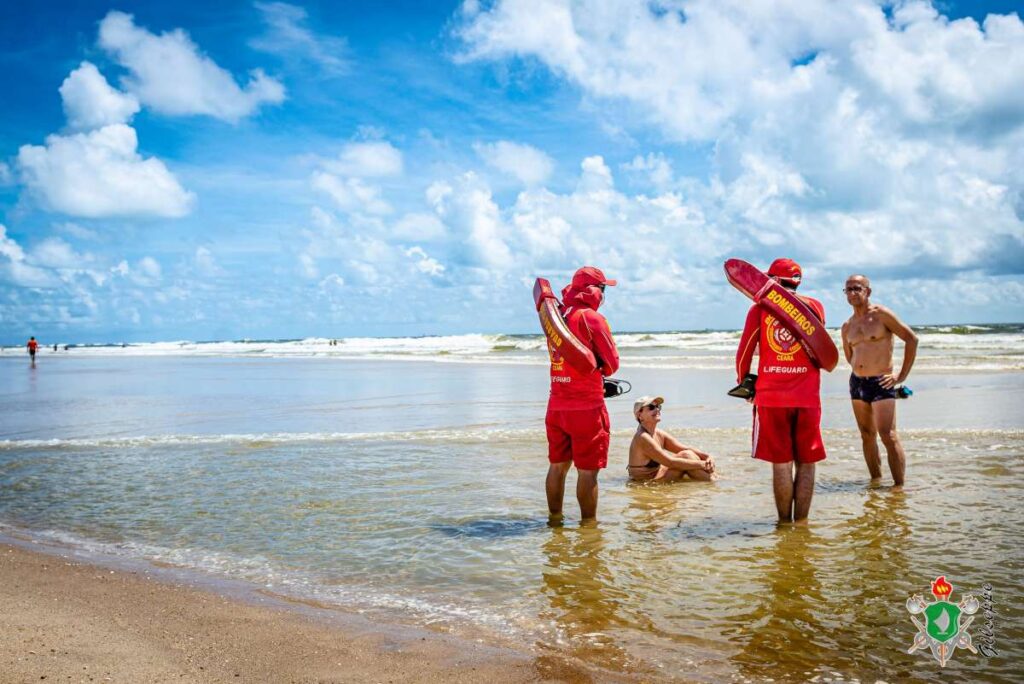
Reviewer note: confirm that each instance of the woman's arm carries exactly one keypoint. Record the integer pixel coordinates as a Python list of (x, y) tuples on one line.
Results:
[(679, 461)]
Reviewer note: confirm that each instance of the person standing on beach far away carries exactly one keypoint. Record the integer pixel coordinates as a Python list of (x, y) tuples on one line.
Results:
[(32, 346), (787, 402), (868, 343), (577, 424)]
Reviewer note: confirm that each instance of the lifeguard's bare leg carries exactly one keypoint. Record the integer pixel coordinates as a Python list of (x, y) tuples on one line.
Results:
[(586, 493), (555, 486), (782, 485)]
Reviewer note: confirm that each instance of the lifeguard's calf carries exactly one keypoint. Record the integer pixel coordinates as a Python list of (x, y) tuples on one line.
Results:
[(868, 345)]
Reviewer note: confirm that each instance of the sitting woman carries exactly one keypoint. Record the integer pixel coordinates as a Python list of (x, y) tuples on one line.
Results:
[(656, 455)]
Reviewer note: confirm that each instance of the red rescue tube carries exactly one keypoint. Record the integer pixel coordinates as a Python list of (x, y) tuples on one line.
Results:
[(790, 310), (560, 340)]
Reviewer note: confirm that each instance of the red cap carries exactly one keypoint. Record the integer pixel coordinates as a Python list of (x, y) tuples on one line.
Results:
[(785, 269), (589, 275)]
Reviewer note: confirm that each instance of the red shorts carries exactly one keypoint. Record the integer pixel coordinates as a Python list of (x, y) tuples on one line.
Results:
[(579, 435), (785, 434)]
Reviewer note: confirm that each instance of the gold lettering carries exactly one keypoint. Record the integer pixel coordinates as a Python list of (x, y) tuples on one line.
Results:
[(549, 329), (792, 311)]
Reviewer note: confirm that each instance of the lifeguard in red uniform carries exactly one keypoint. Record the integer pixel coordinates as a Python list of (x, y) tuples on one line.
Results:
[(787, 403), (577, 424)]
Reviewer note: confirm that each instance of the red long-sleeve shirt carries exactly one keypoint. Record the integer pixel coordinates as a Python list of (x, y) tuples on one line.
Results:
[(786, 376), (571, 389)]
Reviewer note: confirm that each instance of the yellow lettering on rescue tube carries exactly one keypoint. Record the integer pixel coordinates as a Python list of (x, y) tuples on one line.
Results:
[(791, 310), (549, 329)]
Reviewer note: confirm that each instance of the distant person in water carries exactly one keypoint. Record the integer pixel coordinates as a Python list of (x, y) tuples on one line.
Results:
[(868, 345), (577, 424), (32, 347), (656, 455)]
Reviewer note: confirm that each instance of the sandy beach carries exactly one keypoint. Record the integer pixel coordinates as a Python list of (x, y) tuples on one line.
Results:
[(65, 620)]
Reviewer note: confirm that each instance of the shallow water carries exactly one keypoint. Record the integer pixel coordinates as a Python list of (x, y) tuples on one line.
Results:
[(414, 490)]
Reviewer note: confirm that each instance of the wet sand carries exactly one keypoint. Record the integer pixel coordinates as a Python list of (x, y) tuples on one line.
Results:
[(64, 620)]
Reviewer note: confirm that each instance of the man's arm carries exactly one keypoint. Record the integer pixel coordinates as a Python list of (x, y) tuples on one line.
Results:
[(847, 347), (748, 342), (603, 344), (902, 331)]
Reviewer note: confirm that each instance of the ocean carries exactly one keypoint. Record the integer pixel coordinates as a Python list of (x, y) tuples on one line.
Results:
[(403, 478)]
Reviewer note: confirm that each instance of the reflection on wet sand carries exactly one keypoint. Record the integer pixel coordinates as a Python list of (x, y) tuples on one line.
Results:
[(784, 608), (653, 507), (871, 553), (828, 599), (584, 596)]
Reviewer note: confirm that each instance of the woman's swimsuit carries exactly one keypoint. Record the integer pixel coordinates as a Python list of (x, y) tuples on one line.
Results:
[(646, 471)]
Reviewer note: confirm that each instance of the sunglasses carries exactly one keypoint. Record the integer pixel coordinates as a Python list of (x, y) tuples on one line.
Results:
[(600, 286), (653, 407), (855, 288)]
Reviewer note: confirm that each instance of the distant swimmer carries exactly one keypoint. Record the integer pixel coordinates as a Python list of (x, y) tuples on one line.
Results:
[(868, 345), (656, 455), (787, 401), (32, 347), (577, 424)]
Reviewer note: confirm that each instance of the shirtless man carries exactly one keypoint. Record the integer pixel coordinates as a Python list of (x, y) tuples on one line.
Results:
[(656, 455), (868, 343)]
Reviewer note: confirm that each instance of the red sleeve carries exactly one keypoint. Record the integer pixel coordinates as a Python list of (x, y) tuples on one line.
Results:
[(818, 307), (748, 342), (601, 342)]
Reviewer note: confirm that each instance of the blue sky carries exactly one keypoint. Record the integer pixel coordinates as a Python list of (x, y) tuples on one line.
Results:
[(276, 170)]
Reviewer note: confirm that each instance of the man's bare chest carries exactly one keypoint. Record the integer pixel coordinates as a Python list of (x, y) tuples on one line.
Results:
[(868, 328)]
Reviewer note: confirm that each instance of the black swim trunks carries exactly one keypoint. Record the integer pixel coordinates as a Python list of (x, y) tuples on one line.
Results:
[(869, 389)]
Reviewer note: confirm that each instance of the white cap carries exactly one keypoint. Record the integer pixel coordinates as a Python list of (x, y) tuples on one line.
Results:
[(646, 401)]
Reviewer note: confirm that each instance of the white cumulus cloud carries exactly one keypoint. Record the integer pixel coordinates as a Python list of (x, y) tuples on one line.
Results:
[(16, 269), (206, 263), (169, 73), (101, 173), (524, 162), (469, 209), (419, 227), (146, 272), (90, 102), (53, 252), (351, 194), (892, 131), (424, 262), (370, 159)]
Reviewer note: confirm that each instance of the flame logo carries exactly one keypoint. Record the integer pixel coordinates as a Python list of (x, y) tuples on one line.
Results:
[(941, 588)]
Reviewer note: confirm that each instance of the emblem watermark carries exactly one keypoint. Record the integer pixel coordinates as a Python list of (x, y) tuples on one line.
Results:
[(942, 631)]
